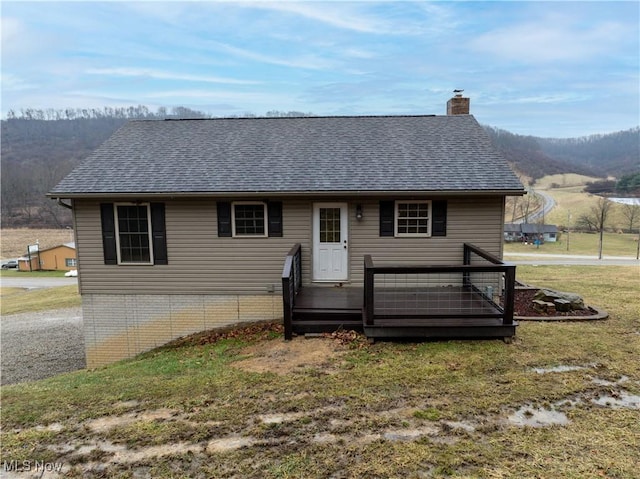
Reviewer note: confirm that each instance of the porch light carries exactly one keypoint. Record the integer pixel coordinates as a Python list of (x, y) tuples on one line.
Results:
[(358, 212)]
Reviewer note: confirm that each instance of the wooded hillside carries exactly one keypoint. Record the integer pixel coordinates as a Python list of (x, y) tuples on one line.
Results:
[(615, 154), (40, 147)]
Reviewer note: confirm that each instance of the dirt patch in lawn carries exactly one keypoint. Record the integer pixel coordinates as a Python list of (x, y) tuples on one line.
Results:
[(285, 357), (94, 446)]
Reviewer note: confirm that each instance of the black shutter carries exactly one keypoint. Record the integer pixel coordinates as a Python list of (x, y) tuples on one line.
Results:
[(274, 211), (159, 234), (439, 224), (387, 220), (108, 233), (224, 218)]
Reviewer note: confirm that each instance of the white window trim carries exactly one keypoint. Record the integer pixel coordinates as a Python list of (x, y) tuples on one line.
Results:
[(149, 234), (265, 216), (413, 235)]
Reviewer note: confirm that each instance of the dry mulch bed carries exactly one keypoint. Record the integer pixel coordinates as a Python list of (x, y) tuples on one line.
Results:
[(524, 307)]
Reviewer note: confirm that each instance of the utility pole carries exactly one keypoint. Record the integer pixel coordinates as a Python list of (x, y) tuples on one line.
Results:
[(568, 227)]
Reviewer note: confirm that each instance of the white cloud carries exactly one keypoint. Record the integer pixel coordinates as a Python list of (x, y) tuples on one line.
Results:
[(12, 29), (14, 83), (333, 14), (308, 62), (163, 75), (551, 39), (351, 16), (18, 40)]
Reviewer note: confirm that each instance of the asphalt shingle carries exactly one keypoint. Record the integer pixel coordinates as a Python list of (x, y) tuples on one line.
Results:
[(281, 155)]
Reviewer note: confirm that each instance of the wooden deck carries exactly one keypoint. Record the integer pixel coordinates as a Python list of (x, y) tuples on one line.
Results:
[(326, 309), (406, 301), (433, 312)]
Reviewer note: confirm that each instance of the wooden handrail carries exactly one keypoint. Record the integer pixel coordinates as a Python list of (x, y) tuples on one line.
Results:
[(439, 269), (291, 284), (468, 248)]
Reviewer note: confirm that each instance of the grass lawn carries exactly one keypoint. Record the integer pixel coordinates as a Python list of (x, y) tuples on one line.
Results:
[(392, 409), (12, 273), (18, 300)]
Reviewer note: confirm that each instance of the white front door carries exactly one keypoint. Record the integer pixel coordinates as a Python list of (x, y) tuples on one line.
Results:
[(330, 247)]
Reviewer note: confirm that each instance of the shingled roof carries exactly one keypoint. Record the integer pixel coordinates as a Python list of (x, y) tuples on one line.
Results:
[(428, 154)]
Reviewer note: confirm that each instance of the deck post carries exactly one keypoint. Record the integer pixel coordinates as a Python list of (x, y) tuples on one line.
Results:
[(287, 307), (466, 260), (291, 283), (509, 294), (368, 290)]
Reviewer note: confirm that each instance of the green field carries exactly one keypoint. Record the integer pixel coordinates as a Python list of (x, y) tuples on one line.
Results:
[(614, 244), (387, 410), (572, 202)]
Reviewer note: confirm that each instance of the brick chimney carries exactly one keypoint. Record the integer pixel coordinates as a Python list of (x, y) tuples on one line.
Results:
[(458, 105)]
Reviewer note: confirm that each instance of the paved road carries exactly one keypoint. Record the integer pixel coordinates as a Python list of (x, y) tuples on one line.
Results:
[(571, 259), (29, 282), (549, 204)]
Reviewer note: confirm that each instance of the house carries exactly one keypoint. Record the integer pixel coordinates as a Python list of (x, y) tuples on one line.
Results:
[(548, 233), (526, 232), (56, 258), (188, 225), (512, 232)]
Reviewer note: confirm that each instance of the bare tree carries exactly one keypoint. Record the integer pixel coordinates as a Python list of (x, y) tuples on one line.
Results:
[(511, 204), (586, 222), (631, 214), (600, 213)]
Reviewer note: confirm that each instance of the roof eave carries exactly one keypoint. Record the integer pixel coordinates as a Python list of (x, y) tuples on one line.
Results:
[(253, 194)]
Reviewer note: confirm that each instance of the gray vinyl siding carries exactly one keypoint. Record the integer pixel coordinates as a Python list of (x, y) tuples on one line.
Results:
[(472, 220), (202, 263), (199, 261)]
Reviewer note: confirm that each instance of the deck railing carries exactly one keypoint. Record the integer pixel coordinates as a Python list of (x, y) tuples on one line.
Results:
[(482, 287), (291, 284)]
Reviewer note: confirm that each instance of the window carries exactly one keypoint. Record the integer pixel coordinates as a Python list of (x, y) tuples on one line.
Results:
[(133, 234), (249, 219), (413, 218), (70, 262), (329, 225), (124, 239)]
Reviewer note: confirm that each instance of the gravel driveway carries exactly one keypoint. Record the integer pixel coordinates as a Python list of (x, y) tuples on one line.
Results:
[(42, 344)]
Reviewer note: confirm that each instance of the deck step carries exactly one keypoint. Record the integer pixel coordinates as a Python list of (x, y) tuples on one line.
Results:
[(328, 316), (444, 331)]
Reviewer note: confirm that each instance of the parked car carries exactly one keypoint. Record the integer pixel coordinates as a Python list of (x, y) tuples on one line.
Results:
[(11, 264), (71, 273)]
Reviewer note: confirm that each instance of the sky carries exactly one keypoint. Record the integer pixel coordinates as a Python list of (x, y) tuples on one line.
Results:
[(550, 69)]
